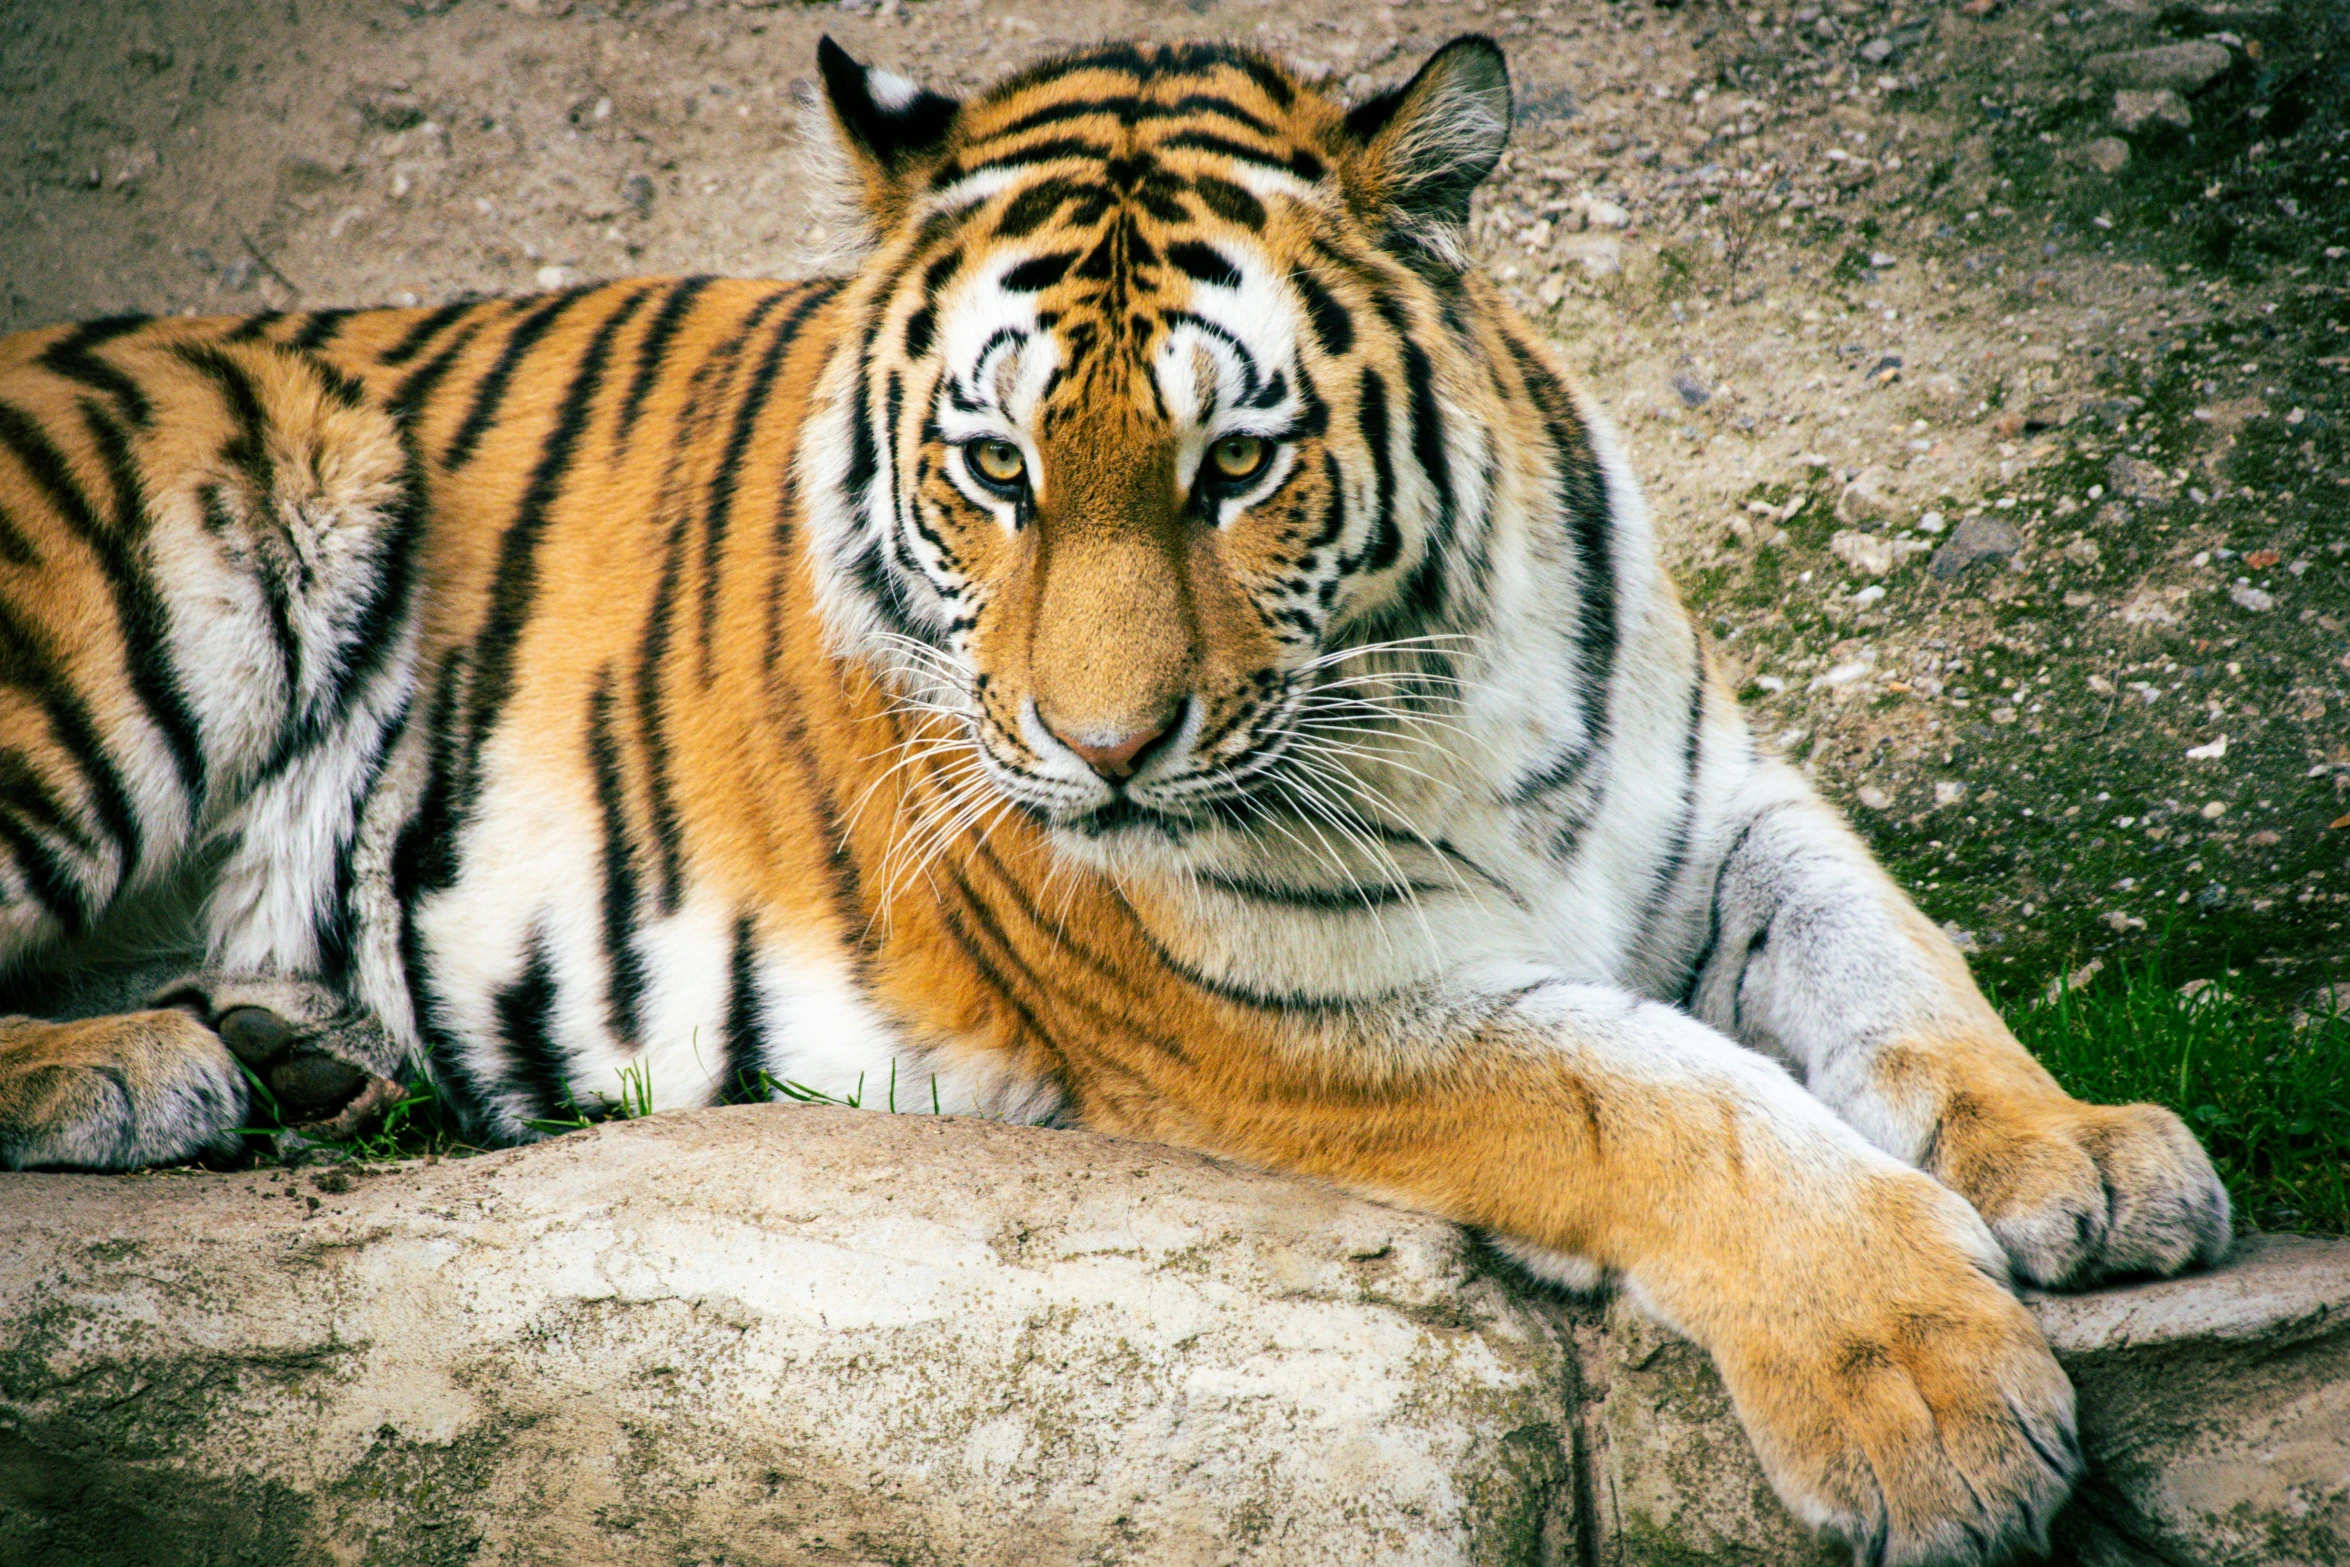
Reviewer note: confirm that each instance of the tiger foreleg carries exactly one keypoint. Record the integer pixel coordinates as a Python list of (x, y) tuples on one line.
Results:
[(1896, 1391), (1821, 959)]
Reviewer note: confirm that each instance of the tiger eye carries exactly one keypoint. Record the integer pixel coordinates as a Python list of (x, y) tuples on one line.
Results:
[(998, 462), (1238, 456)]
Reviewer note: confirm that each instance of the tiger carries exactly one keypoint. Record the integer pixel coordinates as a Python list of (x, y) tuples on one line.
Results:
[(1154, 644)]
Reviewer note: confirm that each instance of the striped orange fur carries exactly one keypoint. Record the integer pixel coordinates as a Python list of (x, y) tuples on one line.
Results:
[(1157, 646)]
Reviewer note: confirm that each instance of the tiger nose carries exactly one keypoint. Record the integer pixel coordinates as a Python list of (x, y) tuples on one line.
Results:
[(1113, 753)]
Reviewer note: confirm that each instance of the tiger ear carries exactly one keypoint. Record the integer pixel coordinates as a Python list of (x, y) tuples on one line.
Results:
[(890, 130), (1425, 146)]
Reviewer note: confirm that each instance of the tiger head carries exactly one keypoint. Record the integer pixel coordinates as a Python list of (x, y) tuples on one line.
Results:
[(1167, 395)]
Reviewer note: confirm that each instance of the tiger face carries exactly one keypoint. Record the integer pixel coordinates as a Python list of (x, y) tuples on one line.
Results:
[(1143, 445)]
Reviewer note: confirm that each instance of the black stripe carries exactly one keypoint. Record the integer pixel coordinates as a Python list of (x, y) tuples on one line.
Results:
[(338, 935), (1130, 110), (1386, 538), (1329, 900), (367, 640), (426, 378), (146, 622), (1580, 494), (423, 861), (864, 461), (421, 333), (1232, 203), (919, 327), (425, 858), (624, 966), (1676, 856), (1032, 208), (248, 449), (1269, 80), (15, 547), (29, 663), (1039, 272), (490, 391), (1262, 1000), (653, 722), (514, 590), (141, 617), (746, 1022), (46, 876), (652, 352), (24, 791), (717, 510), (347, 391), (1713, 934), (1086, 999), (1050, 150), (70, 357), (1428, 434), (254, 328), (1426, 589), (1204, 264), (319, 330), (537, 1067), (225, 525), (1296, 161)]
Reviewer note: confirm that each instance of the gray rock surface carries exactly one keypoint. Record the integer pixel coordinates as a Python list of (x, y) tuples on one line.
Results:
[(2131, 110), (786, 1335), (2181, 67), (1974, 539)]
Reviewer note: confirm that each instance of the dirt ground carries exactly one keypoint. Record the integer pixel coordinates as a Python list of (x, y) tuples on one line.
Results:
[(1995, 418)]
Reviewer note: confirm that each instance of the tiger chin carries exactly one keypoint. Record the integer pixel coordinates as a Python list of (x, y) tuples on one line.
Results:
[(1156, 645)]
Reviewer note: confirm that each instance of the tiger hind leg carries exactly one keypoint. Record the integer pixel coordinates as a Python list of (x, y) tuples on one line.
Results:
[(115, 1092), (206, 636), (180, 1079)]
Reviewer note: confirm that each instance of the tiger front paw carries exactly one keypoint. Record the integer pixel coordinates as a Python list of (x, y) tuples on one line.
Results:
[(2078, 1192), (115, 1093), (1900, 1397)]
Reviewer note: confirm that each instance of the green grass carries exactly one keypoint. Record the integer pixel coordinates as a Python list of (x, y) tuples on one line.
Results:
[(2269, 1093)]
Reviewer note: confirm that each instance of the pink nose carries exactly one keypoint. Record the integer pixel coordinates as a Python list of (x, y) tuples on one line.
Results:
[(1115, 758)]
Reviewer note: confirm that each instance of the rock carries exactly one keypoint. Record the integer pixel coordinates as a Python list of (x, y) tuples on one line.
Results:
[(2268, 1483), (732, 1334), (1599, 254), (1863, 552), (1975, 539), (637, 191), (1602, 213), (1874, 798), (2247, 597), (2131, 110), (2179, 67), (770, 1334), (1868, 498), (131, 166), (388, 107), (2083, 552), (1693, 392), (2136, 479), (1878, 50), (2107, 154), (302, 174)]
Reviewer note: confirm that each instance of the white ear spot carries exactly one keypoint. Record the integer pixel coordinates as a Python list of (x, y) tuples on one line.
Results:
[(890, 91)]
